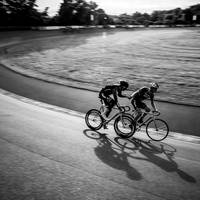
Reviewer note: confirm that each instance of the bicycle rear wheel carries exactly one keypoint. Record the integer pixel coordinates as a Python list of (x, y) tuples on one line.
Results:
[(124, 126), (94, 119), (157, 129)]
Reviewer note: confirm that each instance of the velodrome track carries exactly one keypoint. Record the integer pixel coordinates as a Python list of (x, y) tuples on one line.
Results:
[(47, 152), (181, 118)]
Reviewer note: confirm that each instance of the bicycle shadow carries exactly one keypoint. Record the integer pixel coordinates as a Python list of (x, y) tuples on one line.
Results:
[(116, 153), (110, 153), (151, 149)]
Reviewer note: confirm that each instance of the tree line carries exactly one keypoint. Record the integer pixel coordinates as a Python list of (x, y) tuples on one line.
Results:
[(81, 12), (71, 12), (187, 16), (21, 13)]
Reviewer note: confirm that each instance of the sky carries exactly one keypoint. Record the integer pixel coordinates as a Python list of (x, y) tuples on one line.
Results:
[(117, 7)]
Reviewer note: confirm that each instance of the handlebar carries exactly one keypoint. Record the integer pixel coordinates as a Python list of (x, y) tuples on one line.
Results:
[(123, 108), (127, 108), (154, 113)]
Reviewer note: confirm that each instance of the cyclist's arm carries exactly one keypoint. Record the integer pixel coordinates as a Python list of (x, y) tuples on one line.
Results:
[(115, 95), (133, 95), (122, 95), (152, 102)]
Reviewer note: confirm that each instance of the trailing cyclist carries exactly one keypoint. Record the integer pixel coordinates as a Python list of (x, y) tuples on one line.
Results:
[(139, 96), (110, 91)]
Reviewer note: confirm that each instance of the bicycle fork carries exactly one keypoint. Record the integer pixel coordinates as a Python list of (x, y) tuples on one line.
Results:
[(122, 121), (154, 121)]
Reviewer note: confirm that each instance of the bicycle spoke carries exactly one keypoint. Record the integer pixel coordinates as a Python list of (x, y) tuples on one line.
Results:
[(93, 119), (155, 124), (124, 126), (157, 129), (162, 127)]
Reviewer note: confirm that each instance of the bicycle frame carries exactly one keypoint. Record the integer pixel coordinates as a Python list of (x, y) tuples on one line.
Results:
[(110, 119), (138, 126), (117, 114)]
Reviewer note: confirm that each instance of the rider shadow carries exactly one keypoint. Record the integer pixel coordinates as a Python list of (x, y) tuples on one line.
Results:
[(150, 150), (111, 155)]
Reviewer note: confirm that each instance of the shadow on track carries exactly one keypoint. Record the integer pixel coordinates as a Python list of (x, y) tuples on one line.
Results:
[(110, 153), (116, 152), (150, 148)]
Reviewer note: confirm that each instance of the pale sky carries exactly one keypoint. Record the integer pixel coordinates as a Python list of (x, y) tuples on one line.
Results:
[(123, 6)]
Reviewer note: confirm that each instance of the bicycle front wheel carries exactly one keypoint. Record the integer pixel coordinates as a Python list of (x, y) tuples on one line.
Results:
[(157, 129), (94, 119), (124, 126)]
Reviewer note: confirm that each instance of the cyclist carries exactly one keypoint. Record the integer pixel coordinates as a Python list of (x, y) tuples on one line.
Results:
[(115, 91), (139, 96)]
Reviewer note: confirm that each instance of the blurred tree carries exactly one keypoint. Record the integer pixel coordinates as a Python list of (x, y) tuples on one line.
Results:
[(66, 12), (4, 13), (157, 16), (102, 18), (83, 13), (195, 11), (19, 13), (126, 19), (80, 12)]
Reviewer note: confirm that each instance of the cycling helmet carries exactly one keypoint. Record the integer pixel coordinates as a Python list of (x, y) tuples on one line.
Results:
[(124, 84), (154, 85)]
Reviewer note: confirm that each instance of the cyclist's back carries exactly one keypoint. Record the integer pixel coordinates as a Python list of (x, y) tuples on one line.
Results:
[(142, 94), (112, 90), (108, 90)]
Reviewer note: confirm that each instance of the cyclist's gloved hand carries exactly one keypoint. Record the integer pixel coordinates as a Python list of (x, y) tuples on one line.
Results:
[(116, 103), (156, 112)]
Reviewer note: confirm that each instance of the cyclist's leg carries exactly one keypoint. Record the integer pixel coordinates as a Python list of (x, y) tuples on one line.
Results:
[(139, 114), (133, 104), (136, 106), (146, 108), (107, 107), (104, 103), (110, 105), (106, 112)]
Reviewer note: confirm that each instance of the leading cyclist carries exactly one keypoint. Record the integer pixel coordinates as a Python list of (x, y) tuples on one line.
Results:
[(139, 96)]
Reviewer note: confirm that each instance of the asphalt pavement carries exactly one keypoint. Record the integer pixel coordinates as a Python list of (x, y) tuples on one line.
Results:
[(49, 153)]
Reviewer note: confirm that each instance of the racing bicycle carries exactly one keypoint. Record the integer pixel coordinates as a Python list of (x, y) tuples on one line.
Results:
[(157, 129), (124, 125)]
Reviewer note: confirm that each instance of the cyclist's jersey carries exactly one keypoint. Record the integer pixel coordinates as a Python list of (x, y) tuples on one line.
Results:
[(111, 90), (143, 94)]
